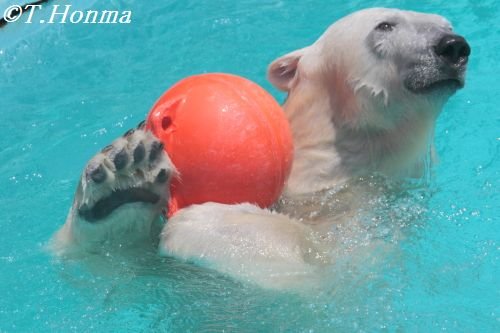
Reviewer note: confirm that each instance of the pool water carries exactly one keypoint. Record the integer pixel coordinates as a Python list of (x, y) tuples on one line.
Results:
[(68, 90)]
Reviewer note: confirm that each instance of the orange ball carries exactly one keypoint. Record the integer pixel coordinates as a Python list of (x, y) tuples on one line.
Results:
[(228, 138)]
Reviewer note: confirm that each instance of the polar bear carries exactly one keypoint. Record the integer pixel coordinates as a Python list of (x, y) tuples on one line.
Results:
[(362, 100)]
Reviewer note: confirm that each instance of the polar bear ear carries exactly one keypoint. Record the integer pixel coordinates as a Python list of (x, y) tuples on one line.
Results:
[(282, 71)]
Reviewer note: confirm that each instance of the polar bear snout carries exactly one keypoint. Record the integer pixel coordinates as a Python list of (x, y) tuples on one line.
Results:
[(453, 50), (443, 69)]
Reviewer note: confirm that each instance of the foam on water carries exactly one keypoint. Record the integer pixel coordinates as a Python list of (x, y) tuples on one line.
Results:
[(68, 90)]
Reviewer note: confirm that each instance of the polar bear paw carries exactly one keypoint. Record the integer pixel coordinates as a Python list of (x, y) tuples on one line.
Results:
[(123, 189), (133, 169)]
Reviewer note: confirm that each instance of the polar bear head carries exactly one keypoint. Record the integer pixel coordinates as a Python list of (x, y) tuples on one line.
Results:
[(382, 73), (377, 61)]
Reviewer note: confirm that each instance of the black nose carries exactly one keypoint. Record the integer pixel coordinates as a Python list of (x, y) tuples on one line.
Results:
[(454, 49)]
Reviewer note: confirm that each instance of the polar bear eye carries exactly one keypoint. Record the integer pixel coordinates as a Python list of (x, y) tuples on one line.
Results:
[(385, 26)]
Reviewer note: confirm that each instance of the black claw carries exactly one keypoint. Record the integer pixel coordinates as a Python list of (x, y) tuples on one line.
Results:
[(141, 125), (98, 175), (106, 149), (139, 153), (121, 160), (129, 133), (156, 148), (162, 176)]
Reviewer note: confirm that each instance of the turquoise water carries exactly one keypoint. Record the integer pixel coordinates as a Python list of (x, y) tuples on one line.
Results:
[(67, 90)]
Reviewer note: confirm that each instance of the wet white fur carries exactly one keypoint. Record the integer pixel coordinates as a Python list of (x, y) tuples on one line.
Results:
[(348, 110), (350, 116), (245, 241)]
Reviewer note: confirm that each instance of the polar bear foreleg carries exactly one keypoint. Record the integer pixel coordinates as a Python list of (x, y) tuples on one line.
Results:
[(244, 241)]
